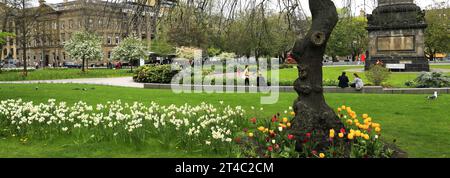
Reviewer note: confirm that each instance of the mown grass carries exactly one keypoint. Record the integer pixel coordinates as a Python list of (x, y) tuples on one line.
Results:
[(420, 126), (397, 80), (53, 74)]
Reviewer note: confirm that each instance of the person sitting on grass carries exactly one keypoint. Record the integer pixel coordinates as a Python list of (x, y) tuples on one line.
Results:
[(358, 83), (343, 80)]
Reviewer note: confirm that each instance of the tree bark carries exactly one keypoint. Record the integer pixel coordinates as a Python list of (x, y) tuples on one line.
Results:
[(82, 65), (313, 115)]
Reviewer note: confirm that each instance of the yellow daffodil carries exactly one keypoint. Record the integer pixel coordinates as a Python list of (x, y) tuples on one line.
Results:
[(321, 155)]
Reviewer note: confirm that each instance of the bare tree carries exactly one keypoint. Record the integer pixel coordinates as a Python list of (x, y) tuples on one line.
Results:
[(312, 112)]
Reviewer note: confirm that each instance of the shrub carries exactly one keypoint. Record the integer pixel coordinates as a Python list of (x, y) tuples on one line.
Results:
[(154, 74), (330, 82), (430, 80), (377, 74)]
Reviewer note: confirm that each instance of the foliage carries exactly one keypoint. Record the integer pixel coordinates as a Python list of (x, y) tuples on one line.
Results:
[(154, 74), (213, 52), (377, 74), (226, 56), (430, 80), (437, 36), (345, 34), (188, 53), (84, 46), (131, 49), (3, 36), (162, 48)]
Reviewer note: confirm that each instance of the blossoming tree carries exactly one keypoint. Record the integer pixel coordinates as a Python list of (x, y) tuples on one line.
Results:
[(312, 112), (131, 49), (84, 46)]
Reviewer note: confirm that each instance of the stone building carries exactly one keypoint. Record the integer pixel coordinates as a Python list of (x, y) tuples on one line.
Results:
[(53, 24), (396, 36)]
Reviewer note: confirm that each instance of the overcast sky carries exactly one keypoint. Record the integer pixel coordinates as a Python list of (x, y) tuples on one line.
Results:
[(357, 5)]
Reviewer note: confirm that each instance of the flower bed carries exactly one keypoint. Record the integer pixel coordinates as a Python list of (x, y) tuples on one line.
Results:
[(274, 138), (193, 128)]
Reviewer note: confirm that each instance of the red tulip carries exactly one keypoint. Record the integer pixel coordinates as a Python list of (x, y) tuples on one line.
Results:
[(270, 148), (253, 120), (343, 130), (308, 135), (291, 137)]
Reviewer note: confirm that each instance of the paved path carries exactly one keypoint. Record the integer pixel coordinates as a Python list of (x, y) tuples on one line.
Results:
[(122, 82)]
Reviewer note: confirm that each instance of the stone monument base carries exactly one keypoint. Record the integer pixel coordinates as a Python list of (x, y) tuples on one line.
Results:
[(401, 63)]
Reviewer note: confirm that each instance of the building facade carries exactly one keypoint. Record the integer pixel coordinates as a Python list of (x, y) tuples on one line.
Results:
[(51, 25)]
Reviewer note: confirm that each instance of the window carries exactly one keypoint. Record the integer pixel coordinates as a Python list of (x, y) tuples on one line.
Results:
[(63, 37), (108, 40), (109, 54), (62, 25), (117, 39)]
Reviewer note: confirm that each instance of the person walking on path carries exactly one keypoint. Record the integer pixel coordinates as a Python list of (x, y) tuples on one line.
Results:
[(247, 75), (343, 80), (358, 83)]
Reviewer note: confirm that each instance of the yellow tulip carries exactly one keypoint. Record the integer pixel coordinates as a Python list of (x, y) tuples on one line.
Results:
[(321, 155), (339, 110), (350, 136), (369, 119), (341, 135), (378, 129), (366, 136), (250, 134), (288, 124), (285, 120), (262, 129), (292, 113), (349, 109), (349, 122), (343, 107), (332, 133), (358, 133), (365, 116)]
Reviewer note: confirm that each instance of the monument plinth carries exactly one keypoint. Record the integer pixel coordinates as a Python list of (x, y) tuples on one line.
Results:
[(396, 36)]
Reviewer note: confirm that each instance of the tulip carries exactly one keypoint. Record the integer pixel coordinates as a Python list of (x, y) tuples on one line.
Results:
[(358, 133), (285, 120), (378, 129), (291, 137), (341, 135), (250, 134), (365, 116), (270, 148), (350, 136), (262, 129), (366, 136), (288, 124), (332, 133), (321, 155), (253, 120)]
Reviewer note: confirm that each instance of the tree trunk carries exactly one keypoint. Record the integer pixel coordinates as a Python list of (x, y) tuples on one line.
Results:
[(313, 115), (24, 39), (82, 65)]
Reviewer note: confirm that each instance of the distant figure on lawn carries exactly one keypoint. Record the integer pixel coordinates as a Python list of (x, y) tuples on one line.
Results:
[(343, 80), (247, 75), (358, 83)]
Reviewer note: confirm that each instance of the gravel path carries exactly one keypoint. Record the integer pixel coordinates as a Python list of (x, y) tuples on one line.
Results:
[(122, 82)]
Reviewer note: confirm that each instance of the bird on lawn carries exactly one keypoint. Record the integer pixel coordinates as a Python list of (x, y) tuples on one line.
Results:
[(433, 97)]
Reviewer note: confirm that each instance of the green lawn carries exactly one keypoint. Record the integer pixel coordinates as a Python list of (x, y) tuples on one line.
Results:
[(419, 126), (287, 76), (52, 74)]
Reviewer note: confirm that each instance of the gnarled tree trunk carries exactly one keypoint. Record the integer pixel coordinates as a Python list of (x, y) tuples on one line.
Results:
[(312, 112)]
